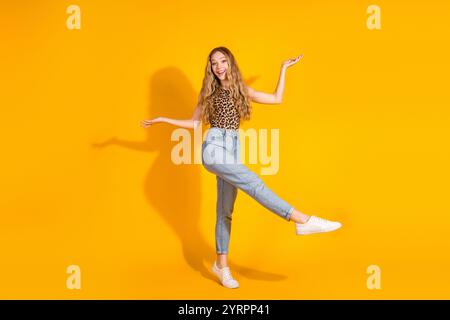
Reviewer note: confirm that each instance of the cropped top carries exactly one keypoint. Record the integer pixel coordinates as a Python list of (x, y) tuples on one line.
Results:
[(226, 114)]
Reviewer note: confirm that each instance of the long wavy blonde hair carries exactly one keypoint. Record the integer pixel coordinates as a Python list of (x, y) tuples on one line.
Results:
[(211, 85)]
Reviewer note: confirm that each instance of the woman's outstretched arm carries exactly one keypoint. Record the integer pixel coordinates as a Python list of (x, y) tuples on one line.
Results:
[(277, 96), (191, 123)]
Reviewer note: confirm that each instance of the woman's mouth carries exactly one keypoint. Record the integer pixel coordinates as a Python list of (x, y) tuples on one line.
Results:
[(221, 73)]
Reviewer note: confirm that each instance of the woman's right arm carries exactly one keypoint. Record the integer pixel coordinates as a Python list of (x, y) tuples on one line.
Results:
[(192, 123)]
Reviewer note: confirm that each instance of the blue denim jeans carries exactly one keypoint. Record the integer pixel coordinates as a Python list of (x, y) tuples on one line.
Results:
[(221, 155)]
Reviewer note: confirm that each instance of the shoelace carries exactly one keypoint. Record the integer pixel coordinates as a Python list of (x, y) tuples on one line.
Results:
[(320, 221)]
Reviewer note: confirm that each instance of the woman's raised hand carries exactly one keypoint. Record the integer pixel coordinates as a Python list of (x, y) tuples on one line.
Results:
[(146, 123), (292, 61)]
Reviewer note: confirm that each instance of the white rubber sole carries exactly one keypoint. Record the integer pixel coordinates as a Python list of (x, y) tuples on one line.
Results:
[(304, 233), (217, 273)]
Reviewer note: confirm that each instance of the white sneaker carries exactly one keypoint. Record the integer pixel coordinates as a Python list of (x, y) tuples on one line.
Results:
[(316, 225), (225, 276)]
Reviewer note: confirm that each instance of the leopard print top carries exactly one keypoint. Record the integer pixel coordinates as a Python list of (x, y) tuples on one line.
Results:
[(225, 114)]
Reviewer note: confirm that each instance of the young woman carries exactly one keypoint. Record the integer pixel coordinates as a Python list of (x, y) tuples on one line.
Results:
[(224, 101)]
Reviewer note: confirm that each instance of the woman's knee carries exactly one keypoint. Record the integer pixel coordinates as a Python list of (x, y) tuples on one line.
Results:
[(210, 167)]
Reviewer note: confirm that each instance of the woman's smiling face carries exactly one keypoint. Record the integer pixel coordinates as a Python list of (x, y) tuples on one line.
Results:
[(219, 65)]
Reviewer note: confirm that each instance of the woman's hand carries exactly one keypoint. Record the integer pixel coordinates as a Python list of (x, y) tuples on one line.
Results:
[(292, 61), (146, 123)]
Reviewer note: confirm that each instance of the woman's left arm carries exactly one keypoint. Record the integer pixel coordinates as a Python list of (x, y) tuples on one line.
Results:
[(277, 96)]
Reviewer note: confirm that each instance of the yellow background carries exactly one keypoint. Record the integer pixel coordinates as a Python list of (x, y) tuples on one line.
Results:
[(364, 131)]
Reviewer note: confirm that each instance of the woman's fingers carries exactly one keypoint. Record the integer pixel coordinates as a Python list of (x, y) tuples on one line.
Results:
[(146, 123), (294, 60), (297, 58)]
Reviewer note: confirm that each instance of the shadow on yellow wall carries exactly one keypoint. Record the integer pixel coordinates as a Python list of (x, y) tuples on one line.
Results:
[(174, 191)]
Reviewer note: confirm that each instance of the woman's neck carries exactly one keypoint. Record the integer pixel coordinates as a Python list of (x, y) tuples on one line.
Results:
[(225, 84)]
